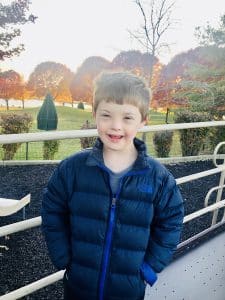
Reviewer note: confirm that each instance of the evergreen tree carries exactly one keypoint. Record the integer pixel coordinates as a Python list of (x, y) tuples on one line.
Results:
[(47, 118)]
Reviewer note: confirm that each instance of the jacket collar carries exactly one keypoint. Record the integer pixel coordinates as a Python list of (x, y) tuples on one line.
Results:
[(95, 157)]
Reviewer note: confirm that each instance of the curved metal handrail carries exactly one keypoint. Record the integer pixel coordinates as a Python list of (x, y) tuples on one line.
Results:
[(215, 153), (210, 192)]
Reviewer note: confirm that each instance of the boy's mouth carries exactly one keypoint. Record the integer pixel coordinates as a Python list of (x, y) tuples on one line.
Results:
[(115, 137)]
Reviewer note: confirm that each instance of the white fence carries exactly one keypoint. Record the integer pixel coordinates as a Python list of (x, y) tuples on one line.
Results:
[(34, 222), (74, 134)]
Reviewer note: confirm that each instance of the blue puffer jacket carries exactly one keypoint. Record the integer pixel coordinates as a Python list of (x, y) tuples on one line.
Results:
[(111, 244)]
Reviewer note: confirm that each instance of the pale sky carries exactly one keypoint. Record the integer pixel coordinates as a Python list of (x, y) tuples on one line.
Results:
[(69, 31)]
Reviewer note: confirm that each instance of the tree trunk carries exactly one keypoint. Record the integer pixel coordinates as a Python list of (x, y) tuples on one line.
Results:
[(167, 114), (7, 104)]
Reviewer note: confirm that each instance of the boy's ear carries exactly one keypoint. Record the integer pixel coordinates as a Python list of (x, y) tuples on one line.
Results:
[(143, 123)]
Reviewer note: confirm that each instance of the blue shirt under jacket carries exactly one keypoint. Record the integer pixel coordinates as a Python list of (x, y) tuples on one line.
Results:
[(111, 245)]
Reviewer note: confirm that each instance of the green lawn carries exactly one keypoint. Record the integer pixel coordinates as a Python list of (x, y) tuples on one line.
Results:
[(72, 119)]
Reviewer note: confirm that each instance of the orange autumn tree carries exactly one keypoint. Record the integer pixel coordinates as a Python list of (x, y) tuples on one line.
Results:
[(164, 94), (195, 74), (203, 85), (168, 93), (64, 94), (134, 61), (11, 86), (140, 63), (51, 77), (81, 86), (22, 92)]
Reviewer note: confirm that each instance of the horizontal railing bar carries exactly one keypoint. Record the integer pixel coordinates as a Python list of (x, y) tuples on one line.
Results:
[(177, 126), (20, 226), (34, 222), (72, 134), (200, 234), (46, 136), (34, 286), (163, 160), (204, 210), (200, 175)]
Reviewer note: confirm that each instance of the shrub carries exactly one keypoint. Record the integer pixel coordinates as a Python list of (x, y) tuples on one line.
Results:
[(217, 135), (87, 142), (50, 148), (80, 105), (47, 118), (162, 142), (192, 140), (14, 123)]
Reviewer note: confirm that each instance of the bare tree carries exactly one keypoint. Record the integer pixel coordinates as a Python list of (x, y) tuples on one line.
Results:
[(157, 19)]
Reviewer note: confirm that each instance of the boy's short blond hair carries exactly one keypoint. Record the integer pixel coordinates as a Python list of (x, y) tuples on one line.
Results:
[(120, 88)]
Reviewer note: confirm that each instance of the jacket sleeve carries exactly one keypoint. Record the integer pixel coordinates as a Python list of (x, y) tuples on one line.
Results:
[(166, 226), (55, 218)]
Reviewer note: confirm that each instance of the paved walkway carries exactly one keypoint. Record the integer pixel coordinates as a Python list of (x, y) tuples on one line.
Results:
[(199, 274)]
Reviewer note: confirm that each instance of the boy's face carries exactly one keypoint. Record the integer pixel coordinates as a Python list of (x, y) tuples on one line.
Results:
[(117, 125)]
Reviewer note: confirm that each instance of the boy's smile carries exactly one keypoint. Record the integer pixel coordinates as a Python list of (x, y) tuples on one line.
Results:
[(117, 125), (115, 138)]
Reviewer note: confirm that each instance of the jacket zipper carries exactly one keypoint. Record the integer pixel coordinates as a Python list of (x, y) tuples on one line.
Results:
[(109, 234), (107, 248)]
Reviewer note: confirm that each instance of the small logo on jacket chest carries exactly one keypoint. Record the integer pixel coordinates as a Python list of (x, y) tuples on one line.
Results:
[(145, 188)]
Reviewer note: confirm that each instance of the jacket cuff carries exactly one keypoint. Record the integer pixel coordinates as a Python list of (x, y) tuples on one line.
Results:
[(148, 273)]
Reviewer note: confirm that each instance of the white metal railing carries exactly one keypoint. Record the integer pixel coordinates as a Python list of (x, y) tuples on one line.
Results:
[(20, 226), (221, 183), (205, 210), (34, 222), (72, 134), (34, 286)]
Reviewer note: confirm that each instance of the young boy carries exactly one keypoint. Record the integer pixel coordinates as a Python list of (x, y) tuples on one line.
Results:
[(112, 215)]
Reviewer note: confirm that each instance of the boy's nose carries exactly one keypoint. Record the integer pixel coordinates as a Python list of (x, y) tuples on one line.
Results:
[(116, 125)]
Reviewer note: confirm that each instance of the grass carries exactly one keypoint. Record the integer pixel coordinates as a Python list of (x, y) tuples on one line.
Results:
[(72, 119)]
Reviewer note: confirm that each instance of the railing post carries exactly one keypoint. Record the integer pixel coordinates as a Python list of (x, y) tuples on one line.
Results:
[(221, 183), (218, 197), (27, 150)]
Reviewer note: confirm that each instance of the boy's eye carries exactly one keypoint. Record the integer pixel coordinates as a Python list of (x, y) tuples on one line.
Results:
[(128, 118), (105, 115)]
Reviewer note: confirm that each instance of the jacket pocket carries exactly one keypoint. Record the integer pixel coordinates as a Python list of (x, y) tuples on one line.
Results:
[(65, 280), (66, 274)]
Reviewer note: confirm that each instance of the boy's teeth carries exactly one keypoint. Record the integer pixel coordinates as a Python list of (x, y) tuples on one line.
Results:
[(115, 136)]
